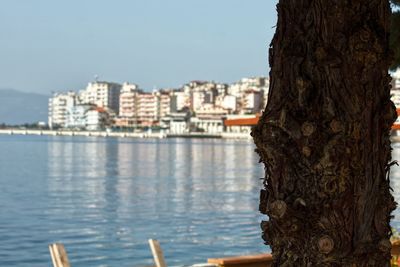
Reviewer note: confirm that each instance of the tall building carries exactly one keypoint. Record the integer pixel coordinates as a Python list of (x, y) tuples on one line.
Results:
[(252, 101), (179, 101), (128, 105), (202, 93), (251, 94), (60, 105), (147, 109), (164, 103), (102, 94)]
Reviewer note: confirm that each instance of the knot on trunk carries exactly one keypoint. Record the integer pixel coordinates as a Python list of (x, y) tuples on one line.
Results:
[(277, 209), (336, 126), (325, 244), (307, 128)]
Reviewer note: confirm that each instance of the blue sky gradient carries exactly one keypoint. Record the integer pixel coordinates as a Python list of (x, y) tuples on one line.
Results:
[(52, 45)]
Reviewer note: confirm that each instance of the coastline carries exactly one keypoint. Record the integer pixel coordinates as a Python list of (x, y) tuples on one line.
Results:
[(395, 136), (157, 135)]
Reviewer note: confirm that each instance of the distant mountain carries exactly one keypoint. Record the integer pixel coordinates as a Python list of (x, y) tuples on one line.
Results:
[(17, 107)]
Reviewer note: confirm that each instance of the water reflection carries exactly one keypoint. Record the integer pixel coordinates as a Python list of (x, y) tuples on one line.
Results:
[(104, 198), (199, 197)]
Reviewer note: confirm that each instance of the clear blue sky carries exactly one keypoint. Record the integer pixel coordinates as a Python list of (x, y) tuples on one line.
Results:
[(49, 45)]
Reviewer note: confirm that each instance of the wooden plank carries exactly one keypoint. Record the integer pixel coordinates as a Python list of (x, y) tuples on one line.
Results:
[(242, 259), (157, 253), (259, 260), (59, 255), (53, 257), (263, 260)]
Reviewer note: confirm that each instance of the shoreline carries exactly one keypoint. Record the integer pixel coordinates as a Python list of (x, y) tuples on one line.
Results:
[(395, 136), (157, 135)]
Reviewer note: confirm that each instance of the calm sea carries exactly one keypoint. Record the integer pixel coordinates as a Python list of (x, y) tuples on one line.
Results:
[(104, 198)]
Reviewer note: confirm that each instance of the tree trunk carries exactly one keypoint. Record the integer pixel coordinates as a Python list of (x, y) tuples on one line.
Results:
[(324, 135)]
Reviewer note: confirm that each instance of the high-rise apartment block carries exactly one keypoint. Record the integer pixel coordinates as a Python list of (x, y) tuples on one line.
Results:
[(102, 94), (60, 105)]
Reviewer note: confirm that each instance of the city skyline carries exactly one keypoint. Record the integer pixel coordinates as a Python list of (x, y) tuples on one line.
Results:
[(60, 46), (196, 106)]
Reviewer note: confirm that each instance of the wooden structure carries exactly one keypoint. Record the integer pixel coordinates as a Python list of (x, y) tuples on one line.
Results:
[(242, 121), (260, 260), (157, 253), (265, 260), (60, 259), (59, 255)]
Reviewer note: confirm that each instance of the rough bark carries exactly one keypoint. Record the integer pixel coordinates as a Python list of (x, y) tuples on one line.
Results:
[(324, 135)]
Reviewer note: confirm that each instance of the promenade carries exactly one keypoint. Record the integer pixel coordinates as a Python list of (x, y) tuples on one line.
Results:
[(224, 135)]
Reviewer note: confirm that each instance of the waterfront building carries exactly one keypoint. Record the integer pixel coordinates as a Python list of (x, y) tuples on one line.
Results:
[(163, 103), (207, 101), (208, 125), (98, 118), (240, 123), (209, 119), (142, 109), (252, 101), (88, 117), (395, 90), (128, 105), (201, 92), (176, 122), (251, 94), (102, 94), (77, 116), (179, 101), (147, 109), (229, 102), (60, 105)]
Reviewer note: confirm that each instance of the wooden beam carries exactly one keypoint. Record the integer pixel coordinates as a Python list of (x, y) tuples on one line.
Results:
[(59, 255), (157, 253), (244, 261)]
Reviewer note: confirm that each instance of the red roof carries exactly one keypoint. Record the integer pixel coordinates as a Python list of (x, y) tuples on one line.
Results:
[(242, 121)]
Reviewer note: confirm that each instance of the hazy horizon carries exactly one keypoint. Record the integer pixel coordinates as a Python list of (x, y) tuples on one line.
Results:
[(58, 46)]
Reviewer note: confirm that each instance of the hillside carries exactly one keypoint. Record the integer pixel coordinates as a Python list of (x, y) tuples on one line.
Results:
[(17, 107)]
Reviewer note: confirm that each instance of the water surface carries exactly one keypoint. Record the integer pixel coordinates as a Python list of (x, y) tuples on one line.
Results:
[(104, 197)]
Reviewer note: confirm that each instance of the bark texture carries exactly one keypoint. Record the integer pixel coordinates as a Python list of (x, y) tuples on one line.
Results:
[(324, 135)]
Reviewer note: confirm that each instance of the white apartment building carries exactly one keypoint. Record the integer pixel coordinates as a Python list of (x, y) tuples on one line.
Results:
[(179, 101), (207, 125), (97, 119), (164, 104), (77, 117), (176, 122), (229, 102), (203, 93), (395, 91), (60, 105), (251, 94), (102, 94), (252, 101), (197, 100)]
